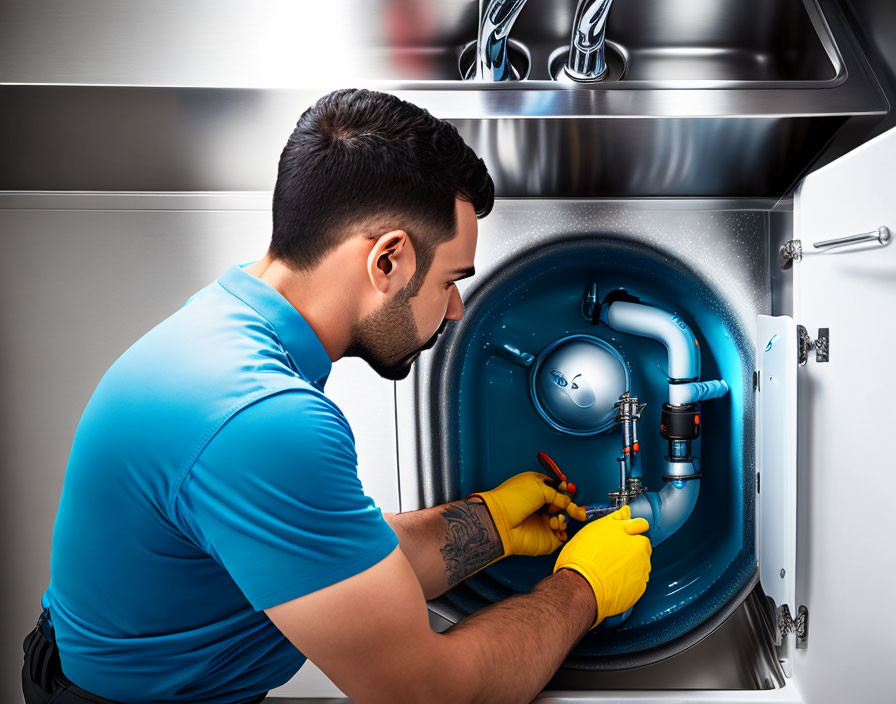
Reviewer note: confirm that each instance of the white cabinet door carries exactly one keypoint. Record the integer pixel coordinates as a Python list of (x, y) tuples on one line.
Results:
[(776, 460), (846, 560)]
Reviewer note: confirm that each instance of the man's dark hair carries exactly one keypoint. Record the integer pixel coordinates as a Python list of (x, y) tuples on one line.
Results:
[(363, 159)]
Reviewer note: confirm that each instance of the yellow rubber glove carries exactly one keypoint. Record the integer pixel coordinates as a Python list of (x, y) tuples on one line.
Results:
[(516, 506), (615, 559)]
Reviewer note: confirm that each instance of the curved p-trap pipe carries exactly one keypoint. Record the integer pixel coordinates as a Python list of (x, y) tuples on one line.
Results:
[(667, 510)]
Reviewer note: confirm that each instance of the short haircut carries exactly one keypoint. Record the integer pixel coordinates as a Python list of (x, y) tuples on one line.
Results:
[(364, 162)]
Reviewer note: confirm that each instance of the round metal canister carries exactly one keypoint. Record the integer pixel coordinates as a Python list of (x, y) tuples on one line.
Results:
[(575, 383)]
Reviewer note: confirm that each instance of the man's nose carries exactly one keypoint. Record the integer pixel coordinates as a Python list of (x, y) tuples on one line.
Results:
[(455, 306)]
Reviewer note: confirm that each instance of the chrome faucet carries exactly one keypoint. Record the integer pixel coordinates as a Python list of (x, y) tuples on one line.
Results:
[(586, 47), (492, 63)]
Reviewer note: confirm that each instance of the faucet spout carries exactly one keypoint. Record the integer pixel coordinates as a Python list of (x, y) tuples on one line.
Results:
[(492, 63), (586, 60)]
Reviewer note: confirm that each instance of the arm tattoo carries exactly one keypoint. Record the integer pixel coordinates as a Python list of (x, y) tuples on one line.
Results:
[(471, 540)]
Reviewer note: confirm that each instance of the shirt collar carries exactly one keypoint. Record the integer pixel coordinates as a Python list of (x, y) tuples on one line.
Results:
[(295, 334)]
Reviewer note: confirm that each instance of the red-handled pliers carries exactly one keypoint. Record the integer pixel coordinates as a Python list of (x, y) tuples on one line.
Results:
[(544, 459), (561, 484)]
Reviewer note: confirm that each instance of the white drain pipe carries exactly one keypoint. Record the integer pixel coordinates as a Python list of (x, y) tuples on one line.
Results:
[(667, 510)]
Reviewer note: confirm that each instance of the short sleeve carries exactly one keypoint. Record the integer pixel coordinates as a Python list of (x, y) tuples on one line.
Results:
[(276, 500)]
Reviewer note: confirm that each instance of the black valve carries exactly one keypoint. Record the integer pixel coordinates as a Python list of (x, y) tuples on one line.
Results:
[(680, 422)]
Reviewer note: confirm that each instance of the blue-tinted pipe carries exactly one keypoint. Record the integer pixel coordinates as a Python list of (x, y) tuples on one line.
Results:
[(701, 391), (667, 510), (660, 325)]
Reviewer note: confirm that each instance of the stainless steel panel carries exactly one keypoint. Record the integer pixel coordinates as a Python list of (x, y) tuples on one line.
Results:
[(874, 24), (83, 277), (736, 656), (726, 40), (149, 139), (705, 157), (730, 104), (780, 230), (290, 44), (64, 138)]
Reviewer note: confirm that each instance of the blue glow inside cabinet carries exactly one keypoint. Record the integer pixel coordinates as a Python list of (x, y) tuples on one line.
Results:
[(792, 457)]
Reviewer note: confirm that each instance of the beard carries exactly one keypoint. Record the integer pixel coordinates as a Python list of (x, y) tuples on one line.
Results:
[(388, 338)]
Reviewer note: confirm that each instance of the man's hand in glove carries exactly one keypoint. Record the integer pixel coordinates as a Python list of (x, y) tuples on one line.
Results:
[(614, 557), (516, 508)]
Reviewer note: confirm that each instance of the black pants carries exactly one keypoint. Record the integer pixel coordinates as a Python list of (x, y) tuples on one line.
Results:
[(42, 678)]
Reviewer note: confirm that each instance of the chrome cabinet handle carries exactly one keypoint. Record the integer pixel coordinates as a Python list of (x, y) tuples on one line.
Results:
[(881, 235)]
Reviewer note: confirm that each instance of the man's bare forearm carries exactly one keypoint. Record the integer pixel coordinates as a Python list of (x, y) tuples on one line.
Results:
[(448, 543), (508, 652)]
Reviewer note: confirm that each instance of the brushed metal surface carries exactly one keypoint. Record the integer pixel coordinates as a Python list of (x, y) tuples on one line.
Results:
[(282, 43), (83, 277), (874, 25), (181, 139), (738, 655), (719, 99)]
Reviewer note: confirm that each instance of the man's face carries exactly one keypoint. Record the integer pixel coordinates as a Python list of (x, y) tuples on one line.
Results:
[(390, 338)]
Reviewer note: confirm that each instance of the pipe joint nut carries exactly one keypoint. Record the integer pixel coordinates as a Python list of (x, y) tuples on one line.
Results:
[(680, 422), (680, 470)]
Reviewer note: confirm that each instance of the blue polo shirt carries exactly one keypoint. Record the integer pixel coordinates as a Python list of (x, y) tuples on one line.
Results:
[(209, 478)]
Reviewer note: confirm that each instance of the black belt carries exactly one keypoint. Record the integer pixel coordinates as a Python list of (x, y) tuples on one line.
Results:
[(44, 669)]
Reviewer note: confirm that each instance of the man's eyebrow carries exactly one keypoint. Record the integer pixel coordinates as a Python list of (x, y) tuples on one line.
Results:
[(459, 274)]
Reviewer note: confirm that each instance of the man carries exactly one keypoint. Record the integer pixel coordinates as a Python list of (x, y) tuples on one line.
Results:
[(212, 531)]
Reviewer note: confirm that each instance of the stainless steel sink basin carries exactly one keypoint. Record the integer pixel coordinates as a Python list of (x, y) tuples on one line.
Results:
[(727, 40), (719, 98), (768, 41)]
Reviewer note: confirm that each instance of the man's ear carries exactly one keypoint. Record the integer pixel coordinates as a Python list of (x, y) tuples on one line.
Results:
[(391, 262)]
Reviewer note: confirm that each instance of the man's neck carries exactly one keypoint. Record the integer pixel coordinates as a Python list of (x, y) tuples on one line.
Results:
[(328, 316)]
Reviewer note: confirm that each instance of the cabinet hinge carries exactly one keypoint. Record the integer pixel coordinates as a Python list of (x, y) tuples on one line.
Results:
[(798, 626), (820, 344), (790, 252)]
